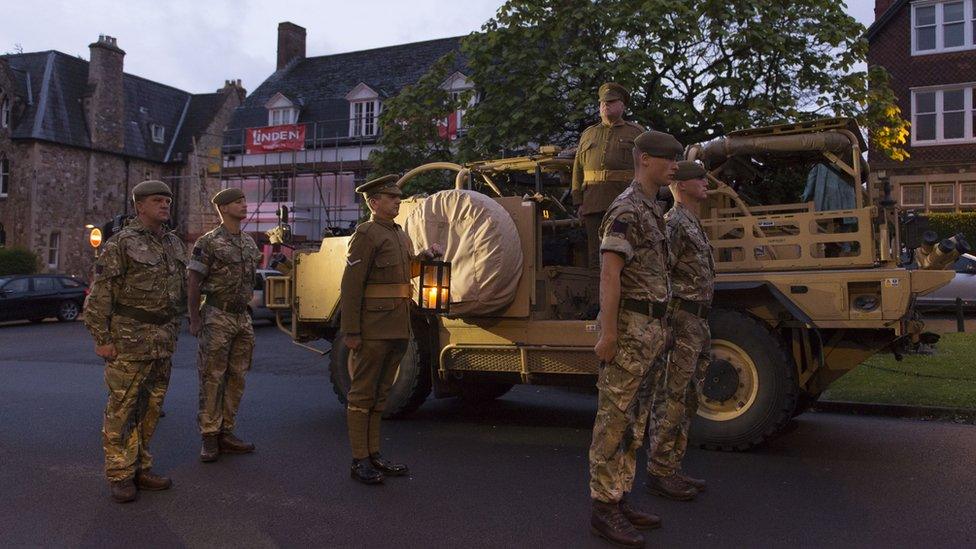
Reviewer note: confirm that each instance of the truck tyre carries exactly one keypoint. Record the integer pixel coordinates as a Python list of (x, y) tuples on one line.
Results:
[(750, 390), (473, 392), (409, 391)]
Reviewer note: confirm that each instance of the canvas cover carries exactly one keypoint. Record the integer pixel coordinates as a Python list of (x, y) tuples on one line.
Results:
[(480, 240)]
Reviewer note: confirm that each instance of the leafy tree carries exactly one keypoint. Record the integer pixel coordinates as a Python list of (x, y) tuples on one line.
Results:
[(695, 68)]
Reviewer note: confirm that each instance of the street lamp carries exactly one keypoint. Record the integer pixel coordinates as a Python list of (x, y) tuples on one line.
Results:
[(435, 286)]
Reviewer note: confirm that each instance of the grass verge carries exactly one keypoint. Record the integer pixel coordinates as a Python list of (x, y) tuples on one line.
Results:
[(947, 378)]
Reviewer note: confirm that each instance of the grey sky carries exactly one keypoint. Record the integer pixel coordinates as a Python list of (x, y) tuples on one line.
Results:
[(195, 45)]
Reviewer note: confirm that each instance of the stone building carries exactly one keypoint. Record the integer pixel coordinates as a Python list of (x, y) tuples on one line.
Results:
[(76, 135), (303, 138), (929, 49)]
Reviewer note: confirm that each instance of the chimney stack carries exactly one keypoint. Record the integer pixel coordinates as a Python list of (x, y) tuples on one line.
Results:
[(105, 102), (881, 6), (291, 43)]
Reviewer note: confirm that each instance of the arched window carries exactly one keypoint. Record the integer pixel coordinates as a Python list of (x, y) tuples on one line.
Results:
[(4, 110)]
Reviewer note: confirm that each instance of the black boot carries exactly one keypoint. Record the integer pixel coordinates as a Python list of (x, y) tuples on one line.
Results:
[(388, 467), (363, 471), (608, 522)]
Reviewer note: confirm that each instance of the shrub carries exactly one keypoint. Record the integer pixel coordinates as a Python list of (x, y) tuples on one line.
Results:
[(948, 224), (17, 261)]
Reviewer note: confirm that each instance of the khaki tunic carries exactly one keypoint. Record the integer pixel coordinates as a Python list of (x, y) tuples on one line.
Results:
[(138, 270), (227, 264), (679, 384), (634, 228), (604, 165)]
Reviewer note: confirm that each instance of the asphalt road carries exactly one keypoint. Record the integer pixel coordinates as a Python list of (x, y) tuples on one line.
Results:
[(513, 474)]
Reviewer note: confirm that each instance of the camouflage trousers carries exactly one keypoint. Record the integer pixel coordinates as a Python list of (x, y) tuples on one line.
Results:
[(372, 370), (223, 359), (136, 389), (676, 391), (626, 387)]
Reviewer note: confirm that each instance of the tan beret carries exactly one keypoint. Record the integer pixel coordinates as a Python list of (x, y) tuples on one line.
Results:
[(149, 188), (660, 144), (612, 91), (227, 196), (688, 169), (380, 185)]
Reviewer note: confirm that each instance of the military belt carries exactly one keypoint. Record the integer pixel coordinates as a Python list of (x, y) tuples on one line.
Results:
[(226, 306), (389, 290), (654, 309), (699, 309), (599, 176), (141, 315)]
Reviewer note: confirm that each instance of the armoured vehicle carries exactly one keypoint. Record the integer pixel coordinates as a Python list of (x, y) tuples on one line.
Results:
[(802, 297)]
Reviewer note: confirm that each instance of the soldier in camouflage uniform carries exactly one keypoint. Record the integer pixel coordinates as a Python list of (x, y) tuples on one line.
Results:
[(222, 268), (604, 165), (133, 312), (678, 386), (634, 296)]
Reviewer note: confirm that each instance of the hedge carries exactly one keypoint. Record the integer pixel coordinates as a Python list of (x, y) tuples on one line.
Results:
[(17, 261), (948, 224)]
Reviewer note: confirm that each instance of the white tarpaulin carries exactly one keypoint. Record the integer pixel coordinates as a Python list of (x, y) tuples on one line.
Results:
[(479, 239)]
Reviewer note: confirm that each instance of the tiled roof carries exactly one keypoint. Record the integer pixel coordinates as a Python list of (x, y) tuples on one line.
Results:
[(320, 84), (58, 83)]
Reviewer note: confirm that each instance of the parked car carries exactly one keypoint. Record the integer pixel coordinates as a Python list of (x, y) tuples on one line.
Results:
[(36, 297), (256, 306), (963, 285)]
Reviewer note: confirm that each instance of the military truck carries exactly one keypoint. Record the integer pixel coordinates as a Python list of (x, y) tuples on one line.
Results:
[(802, 296)]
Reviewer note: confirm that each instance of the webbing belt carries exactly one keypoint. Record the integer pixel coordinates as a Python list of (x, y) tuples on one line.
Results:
[(141, 315)]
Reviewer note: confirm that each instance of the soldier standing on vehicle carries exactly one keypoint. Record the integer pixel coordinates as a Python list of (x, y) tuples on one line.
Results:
[(375, 322), (133, 312), (678, 386), (222, 268), (604, 166), (634, 296)]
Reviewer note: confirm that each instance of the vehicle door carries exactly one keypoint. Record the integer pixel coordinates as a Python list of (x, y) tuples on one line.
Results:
[(44, 297), (13, 297)]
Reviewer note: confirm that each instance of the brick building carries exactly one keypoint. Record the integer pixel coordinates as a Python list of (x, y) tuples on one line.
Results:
[(76, 135), (929, 48), (320, 117)]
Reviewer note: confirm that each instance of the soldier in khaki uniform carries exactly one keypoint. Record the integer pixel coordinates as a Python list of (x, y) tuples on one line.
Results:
[(375, 322), (604, 166), (678, 386), (133, 312), (222, 268), (634, 296)]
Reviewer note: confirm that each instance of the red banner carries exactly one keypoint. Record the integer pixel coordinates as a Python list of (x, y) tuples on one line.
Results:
[(290, 137)]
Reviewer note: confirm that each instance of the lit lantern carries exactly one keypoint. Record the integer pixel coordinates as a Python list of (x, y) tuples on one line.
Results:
[(435, 286)]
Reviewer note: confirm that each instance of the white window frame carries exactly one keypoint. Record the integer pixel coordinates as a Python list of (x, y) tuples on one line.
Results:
[(962, 185), (4, 176), (968, 23), (968, 113), (4, 110), (931, 189), (158, 133), (282, 116), (913, 204), (53, 252), (362, 122)]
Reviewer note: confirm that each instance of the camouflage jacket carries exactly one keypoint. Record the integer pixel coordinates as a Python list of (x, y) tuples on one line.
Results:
[(379, 253), (693, 274), (140, 270), (634, 228), (227, 263), (604, 164)]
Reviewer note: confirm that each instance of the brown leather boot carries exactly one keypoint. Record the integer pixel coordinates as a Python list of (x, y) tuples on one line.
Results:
[(147, 480), (640, 519), (608, 522), (123, 491), (229, 444), (698, 483), (671, 487), (210, 450)]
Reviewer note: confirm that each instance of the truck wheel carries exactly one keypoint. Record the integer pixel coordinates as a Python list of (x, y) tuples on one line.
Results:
[(750, 389), (409, 391), (473, 392)]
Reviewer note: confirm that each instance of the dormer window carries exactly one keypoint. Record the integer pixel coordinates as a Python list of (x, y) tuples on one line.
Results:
[(4, 110), (281, 110), (158, 133), (459, 87), (364, 109)]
